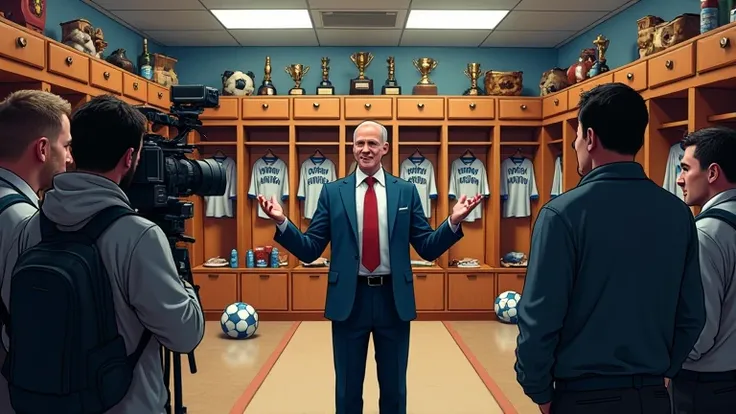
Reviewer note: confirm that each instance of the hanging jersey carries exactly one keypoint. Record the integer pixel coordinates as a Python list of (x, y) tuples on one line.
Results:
[(468, 177), (518, 187), (672, 171), (314, 174), (269, 177), (420, 172), (222, 205), (557, 178)]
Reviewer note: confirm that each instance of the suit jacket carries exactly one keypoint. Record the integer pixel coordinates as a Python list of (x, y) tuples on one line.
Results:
[(335, 220)]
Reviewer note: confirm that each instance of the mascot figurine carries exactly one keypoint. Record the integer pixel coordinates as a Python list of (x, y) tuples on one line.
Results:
[(237, 83)]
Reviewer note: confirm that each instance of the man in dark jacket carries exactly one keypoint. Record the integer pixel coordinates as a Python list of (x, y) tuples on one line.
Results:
[(613, 300)]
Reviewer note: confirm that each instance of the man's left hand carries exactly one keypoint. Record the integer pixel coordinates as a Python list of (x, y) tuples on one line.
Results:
[(463, 207), (545, 408)]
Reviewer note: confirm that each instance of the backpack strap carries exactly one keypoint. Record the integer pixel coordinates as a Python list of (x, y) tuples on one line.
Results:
[(5, 203), (719, 214)]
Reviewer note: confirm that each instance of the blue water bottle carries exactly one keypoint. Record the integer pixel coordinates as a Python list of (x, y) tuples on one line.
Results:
[(250, 259), (275, 257), (234, 259)]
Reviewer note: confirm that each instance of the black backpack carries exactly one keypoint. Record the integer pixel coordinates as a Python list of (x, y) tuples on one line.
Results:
[(66, 355), (720, 214)]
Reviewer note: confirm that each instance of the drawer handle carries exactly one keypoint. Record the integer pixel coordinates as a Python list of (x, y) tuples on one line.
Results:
[(264, 106), (106, 75), (314, 276), (367, 106), (69, 60), (629, 76), (725, 42), (523, 107), (160, 95), (669, 64), (316, 104), (556, 101), (21, 42), (213, 276), (472, 105), (264, 276), (472, 277), (420, 105), (421, 276), (135, 86)]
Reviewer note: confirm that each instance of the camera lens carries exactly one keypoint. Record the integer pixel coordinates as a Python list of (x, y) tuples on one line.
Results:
[(200, 177)]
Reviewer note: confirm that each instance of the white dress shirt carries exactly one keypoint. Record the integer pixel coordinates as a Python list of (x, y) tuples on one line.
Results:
[(380, 188)]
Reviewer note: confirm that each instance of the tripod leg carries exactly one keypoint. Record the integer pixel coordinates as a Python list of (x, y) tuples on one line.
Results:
[(178, 397), (167, 376)]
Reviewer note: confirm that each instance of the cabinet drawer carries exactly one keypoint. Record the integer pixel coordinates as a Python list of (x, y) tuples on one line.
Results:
[(509, 281), (135, 87), (308, 291), (471, 108), (420, 108), (217, 290), (554, 104), (716, 51), (429, 291), (158, 96), (105, 76), (228, 109), (265, 292), (67, 62), (471, 292), (317, 108), (265, 108), (635, 76), (520, 109), (672, 66), (22, 47), (369, 108), (573, 96)]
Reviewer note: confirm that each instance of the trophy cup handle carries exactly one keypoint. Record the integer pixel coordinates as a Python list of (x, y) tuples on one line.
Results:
[(305, 69), (352, 58), (286, 69), (370, 59), (465, 71), (434, 64), (416, 65)]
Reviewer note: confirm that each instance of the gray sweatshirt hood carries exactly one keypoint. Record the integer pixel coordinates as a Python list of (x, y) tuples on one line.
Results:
[(76, 197)]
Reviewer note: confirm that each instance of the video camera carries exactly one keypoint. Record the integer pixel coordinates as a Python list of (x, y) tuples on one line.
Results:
[(163, 176)]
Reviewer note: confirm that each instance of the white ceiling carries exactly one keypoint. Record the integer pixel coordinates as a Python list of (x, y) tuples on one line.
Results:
[(530, 23)]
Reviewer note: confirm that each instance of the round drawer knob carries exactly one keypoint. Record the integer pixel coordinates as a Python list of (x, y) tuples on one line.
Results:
[(106, 75), (264, 106), (420, 105), (367, 106), (669, 64), (629, 76), (69, 60), (725, 42), (523, 107), (160, 95), (135, 86), (316, 104), (472, 105), (21, 42), (556, 101)]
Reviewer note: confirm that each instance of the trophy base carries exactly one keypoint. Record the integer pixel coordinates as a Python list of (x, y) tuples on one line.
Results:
[(361, 86), (473, 92), (296, 91), (266, 88), (424, 89), (325, 90), (391, 90)]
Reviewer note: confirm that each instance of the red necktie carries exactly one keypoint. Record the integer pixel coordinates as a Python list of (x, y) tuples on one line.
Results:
[(371, 256)]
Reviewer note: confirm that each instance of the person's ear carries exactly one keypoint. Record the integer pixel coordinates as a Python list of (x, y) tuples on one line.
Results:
[(591, 139), (42, 149), (128, 158), (713, 172)]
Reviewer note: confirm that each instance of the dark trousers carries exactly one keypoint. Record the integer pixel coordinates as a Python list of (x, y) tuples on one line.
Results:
[(611, 395), (704, 393), (374, 313)]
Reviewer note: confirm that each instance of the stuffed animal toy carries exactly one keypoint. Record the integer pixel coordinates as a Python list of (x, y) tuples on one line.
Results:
[(237, 83), (553, 80), (81, 41)]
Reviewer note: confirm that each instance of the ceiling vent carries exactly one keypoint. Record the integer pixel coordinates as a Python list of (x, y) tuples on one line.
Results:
[(358, 19)]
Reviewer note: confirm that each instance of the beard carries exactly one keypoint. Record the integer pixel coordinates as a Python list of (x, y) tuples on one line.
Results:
[(127, 179)]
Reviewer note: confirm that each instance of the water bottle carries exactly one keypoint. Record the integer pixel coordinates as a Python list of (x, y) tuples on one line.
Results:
[(275, 257), (250, 259), (234, 259)]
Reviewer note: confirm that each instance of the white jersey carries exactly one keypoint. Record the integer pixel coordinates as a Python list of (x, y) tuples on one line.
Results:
[(557, 178), (420, 172), (222, 205), (672, 170), (518, 187), (468, 177), (269, 177), (315, 173)]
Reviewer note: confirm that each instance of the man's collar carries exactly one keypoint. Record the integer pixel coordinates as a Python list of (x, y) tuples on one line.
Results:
[(9, 177), (360, 176), (719, 198), (629, 170)]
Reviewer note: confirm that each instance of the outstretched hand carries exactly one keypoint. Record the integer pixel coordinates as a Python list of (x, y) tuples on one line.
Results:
[(272, 208), (463, 207)]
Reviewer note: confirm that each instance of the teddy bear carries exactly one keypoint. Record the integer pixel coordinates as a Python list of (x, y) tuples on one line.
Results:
[(237, 83), (553, 80)]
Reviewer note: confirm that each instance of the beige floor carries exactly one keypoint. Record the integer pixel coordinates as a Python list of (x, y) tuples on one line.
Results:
[(493, 344), (441, 380)]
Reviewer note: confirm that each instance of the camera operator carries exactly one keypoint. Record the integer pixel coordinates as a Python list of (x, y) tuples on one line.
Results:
[(34, 146), (148, 294)]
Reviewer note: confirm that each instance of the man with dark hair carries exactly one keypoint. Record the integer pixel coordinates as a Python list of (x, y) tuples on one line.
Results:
[(147, 292), (707, 382), (613, 301), (34, 146)]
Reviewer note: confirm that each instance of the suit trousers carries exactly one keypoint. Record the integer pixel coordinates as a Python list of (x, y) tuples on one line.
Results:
[(633, 394), (374, 313), (704, 393)]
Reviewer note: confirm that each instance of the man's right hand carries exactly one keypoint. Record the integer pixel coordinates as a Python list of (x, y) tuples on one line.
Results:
[(272, 208)]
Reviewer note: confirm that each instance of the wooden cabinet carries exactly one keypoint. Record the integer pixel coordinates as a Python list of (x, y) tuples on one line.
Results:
[(360, 108), (216, 290), (478, 108), (420, 108), (510, 281), (471, 291), (316, 108), (308, 290), (520, 109), (265, 291), (429, 290)]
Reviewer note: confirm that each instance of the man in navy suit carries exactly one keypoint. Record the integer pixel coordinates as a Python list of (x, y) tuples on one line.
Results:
[(371, 218)]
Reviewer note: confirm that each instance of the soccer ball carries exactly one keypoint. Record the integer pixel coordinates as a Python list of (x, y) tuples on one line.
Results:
[(239, 320), (505, 306)]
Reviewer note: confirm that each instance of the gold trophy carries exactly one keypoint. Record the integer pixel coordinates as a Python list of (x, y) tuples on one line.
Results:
[(601, 43), (361, 85), (391, 87), (325, 87), (425, 86), (297, 71), (267, 87), (473, 72)]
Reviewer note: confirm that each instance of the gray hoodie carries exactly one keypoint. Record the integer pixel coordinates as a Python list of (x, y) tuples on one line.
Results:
[(147, 290)]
